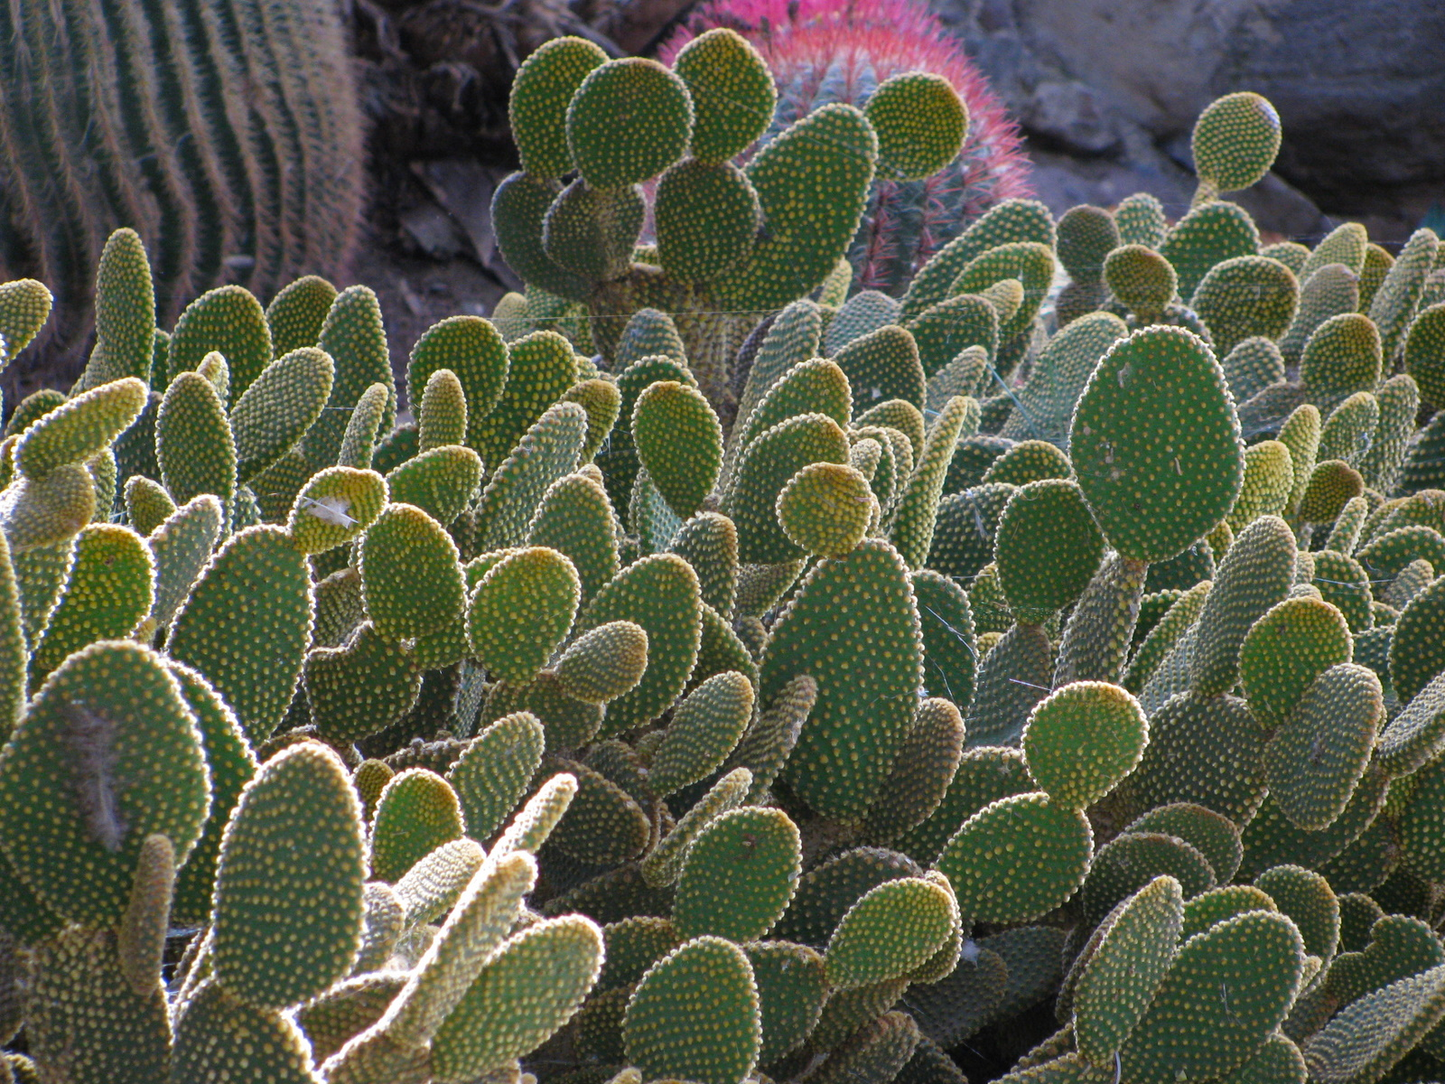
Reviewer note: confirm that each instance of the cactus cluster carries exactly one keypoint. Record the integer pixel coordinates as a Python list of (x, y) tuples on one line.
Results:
[(727, 244), (228, 134), (987, 666), (823, 51)]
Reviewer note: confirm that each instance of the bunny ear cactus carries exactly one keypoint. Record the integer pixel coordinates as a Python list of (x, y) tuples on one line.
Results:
[(727, 237), (1235, 142)]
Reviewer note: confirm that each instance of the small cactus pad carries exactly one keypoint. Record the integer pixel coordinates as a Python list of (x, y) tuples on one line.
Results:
[(890, 931), (992, 888), (628, 121), (1235, 141), (1123, 974), (261, 954), (694, 1016), (1155, 442), (520, 612), (732, 93), (1082, 739), (825, 509), (739, 875), (106, 755), (921, 124)]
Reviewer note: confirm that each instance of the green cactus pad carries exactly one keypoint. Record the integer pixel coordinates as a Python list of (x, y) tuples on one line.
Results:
[(1424, 354), (507, 1011), (659, 593), (791, 988), (110, 740), (825, 509), (633, 945), (1419, 824), (441, 412), (1025, 462), (1209, 234), (916, 511), (709, 542), (1130, 861), (1255, 575), (1142, 280), (24, 307), (335, 507), (1417, 652), (520, 612), (922, 772), (1201, 750), (441, 482), (679, 443), (80, 429), (533, 824), (766, 466), (1235, 141), (1157, 485), (1393, 305), (180, 547), (1328, 292), (125, 312), (258, 578), (605, 663), (960, 547), (732, 93), (921, 124), (86, 1021), (591, 232), (355, 339), (1010, 221), (410, 577), (471, 348), (543, 86), (542, 367), (1030, 262), (431, 888), (603, 825), (1082, 740), (1124, 972), (1227, 991), (575, 519), (519, 208), (1047, 549), (867, 673), (1209, 909), (232, 765), (694, 1016), (193, 441), (1369, 1036), (109, 591), (707, 216), (1342, 356), (297, 313), (888, 932), (1245, 296), (830, 156), (218, 1036), (228, 319), (738, 875), (705, 728), (474, 930), (1285, 650), (1212, 835), (627, 121), (277, 409), (1309, 902), (1415, 736), (1019, 888), (360, 688), (258, 886), (417, 812), (949, 652)]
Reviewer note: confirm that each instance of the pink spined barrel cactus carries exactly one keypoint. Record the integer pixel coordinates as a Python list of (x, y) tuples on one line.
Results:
[(823, 51)]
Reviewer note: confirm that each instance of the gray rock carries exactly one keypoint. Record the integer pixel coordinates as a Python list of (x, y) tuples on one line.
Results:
[(1360, 87)]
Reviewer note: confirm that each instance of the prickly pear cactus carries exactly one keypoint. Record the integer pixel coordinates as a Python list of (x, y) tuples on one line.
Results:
[(996, 664)]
